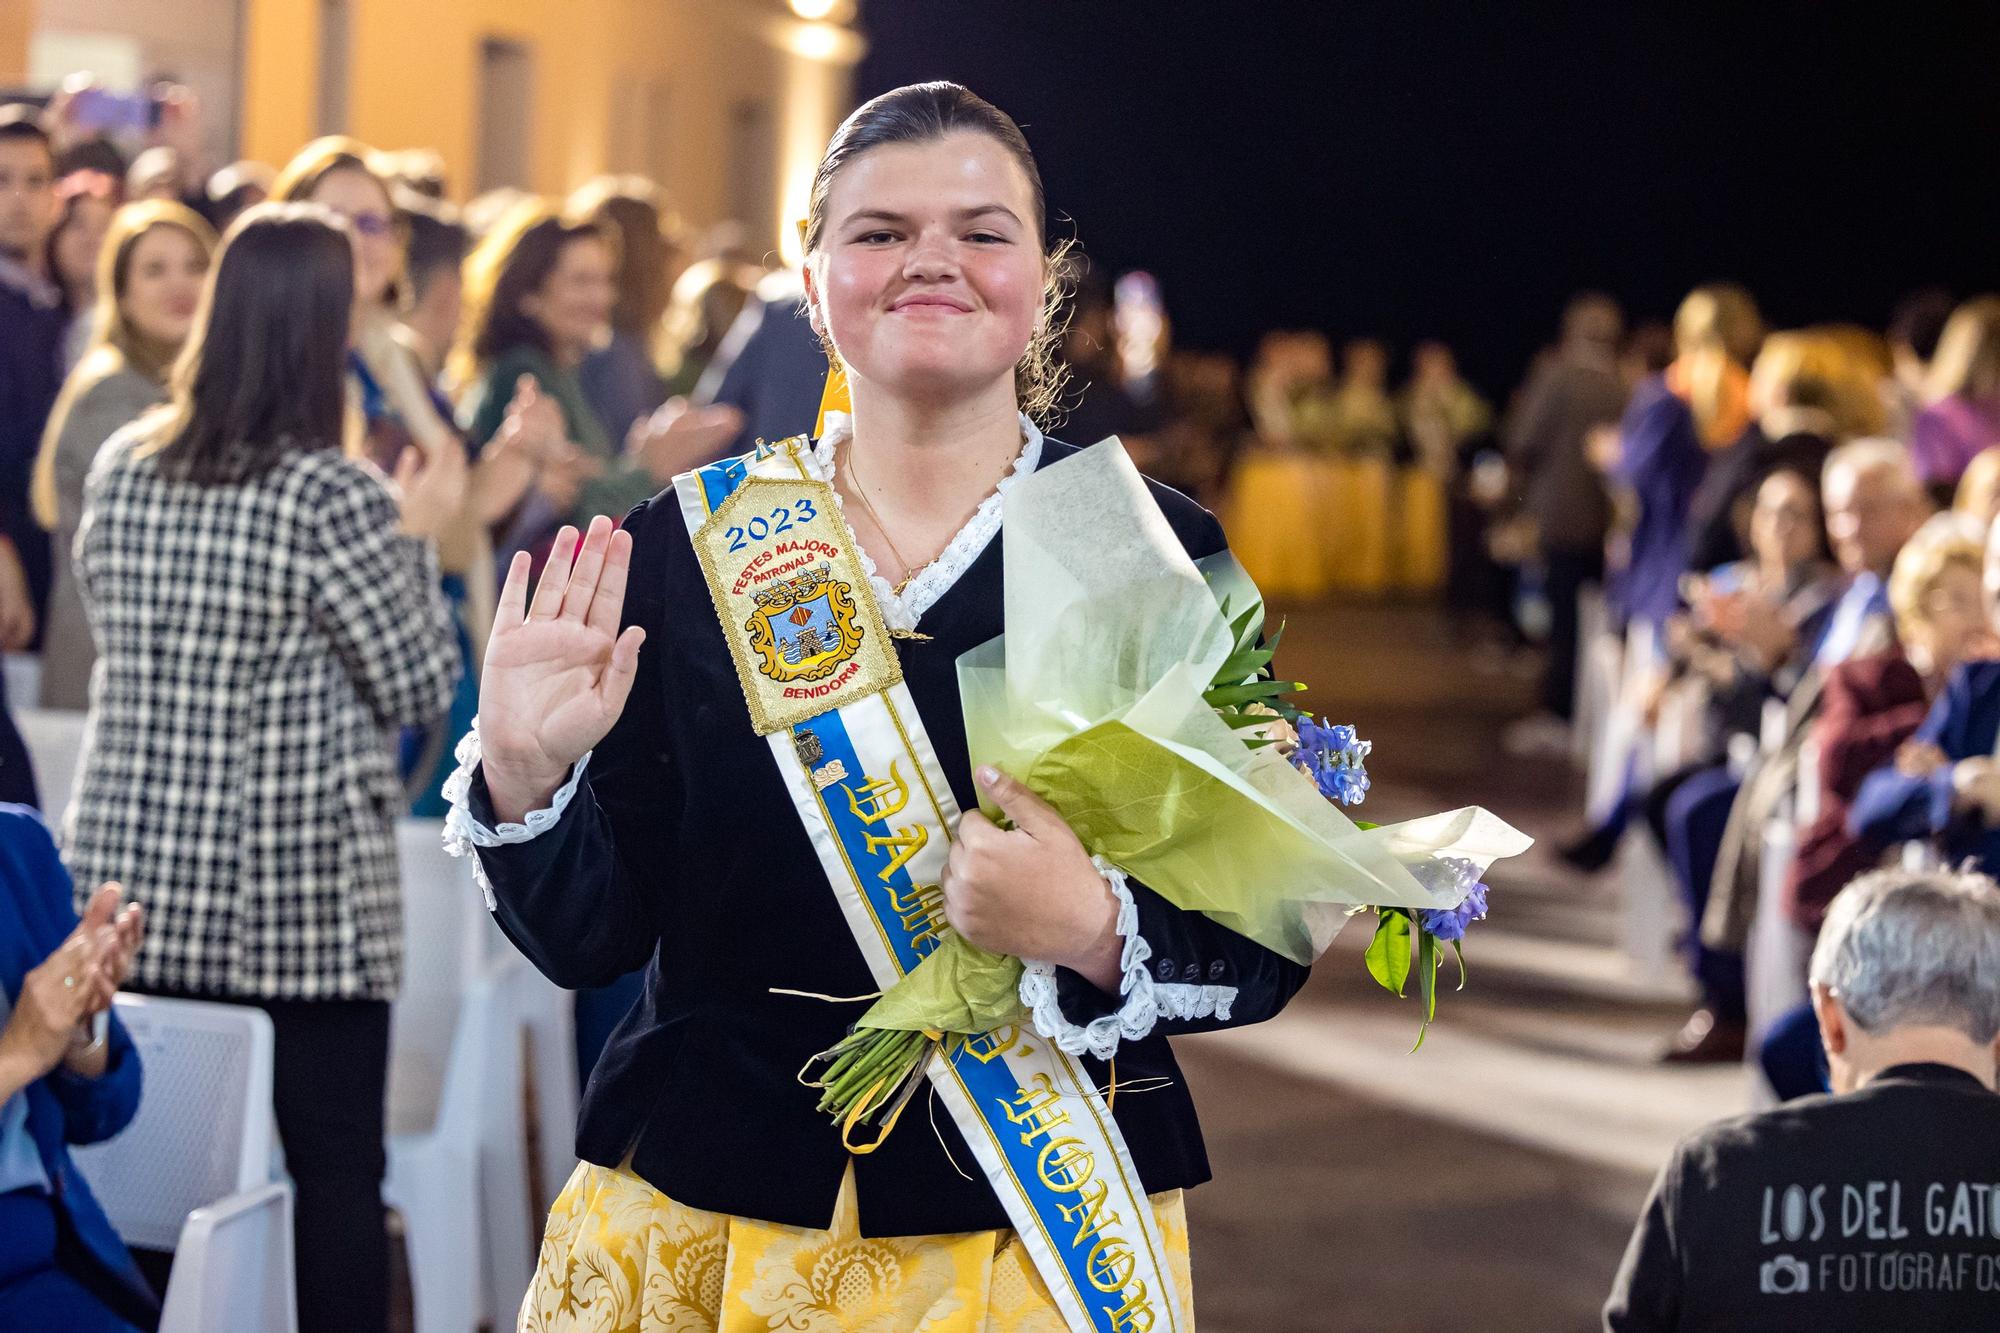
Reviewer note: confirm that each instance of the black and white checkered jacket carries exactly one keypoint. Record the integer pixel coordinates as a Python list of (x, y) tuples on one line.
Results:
[(258, 646)]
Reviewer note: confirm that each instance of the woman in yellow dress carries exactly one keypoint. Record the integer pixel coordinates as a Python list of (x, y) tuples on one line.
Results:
[(628, 809)]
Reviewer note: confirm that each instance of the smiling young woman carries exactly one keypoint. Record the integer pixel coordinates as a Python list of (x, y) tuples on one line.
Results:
[(633, 808), (149, 274)]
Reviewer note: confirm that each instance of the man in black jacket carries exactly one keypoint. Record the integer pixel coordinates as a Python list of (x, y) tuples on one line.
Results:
[(31, 324), (1877, 1206)]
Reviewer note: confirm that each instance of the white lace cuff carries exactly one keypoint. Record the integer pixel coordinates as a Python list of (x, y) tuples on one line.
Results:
[(1133, 1018), (463, 834)]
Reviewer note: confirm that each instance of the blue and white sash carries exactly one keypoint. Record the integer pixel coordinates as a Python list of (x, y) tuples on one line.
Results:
[(867, 785)]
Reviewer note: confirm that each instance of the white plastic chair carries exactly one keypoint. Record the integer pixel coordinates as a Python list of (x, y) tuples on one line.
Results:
[(1805, 799), (1613, 732), (1776, 955), (192, 1172), (1777, 952), (1650, 915), (457, 1139), (546, 1017), (1598, 664), (1920, 856), (54, 738), (535, 1033)]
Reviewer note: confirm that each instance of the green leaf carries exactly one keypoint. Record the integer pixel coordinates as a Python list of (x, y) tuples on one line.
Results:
[(1271, 642), (1242, 665), (1254, 691), (1428, 962), (1239, 628), (1388, 955), (1458, 950)]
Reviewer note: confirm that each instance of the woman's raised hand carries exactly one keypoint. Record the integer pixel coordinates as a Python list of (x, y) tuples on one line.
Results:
[(557, 671)]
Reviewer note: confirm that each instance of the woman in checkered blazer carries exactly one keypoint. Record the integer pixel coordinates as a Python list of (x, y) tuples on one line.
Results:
[(267, 614)]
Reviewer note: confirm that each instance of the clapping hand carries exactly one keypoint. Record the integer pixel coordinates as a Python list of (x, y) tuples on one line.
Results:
[(17, 608), (533, 424), (678, 437), (534, 428), (72, 985), (431, 491), (1976, 782), (1919, 759), (1750, 622), (1982, 645), (562, 476), (117, 933), (557, 671)]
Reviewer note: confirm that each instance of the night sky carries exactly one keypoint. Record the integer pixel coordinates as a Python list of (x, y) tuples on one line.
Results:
[(1416, 170)]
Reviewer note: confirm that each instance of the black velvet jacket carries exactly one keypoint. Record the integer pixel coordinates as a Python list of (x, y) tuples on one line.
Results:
[(681, 853)]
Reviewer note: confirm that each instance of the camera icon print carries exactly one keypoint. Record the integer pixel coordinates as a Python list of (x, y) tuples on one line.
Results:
[(1783, 1276)]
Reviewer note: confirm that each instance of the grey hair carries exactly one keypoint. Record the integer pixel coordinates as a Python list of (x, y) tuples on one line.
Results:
[(1902, 947), (1875, 453)]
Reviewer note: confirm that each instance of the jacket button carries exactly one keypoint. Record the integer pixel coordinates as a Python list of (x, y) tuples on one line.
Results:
[(1165, 969), (1192, 972), (1216, 969)]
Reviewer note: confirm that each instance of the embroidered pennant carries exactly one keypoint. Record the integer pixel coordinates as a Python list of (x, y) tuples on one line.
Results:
[(794, 602)]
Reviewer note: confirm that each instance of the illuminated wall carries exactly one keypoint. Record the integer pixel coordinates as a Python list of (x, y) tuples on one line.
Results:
[(723, 101), (17, 20), (124, 43)]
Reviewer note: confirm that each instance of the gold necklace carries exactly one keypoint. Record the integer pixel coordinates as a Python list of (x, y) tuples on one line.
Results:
[(910, 572), (910, 575)]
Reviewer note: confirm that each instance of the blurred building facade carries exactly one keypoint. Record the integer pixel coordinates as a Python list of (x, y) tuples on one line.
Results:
[(727, 103)]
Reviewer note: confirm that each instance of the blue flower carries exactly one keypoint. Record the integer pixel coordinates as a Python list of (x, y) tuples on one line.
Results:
[(1333, 757), (1449, 924)]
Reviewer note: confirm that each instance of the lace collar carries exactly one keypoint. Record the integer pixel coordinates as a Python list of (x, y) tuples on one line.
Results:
[(903, 611)]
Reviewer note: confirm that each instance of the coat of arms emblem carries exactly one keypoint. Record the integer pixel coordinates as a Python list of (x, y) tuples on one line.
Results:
[(804, 626), (803, 629)]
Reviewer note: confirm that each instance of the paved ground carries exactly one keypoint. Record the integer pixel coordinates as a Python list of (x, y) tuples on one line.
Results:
[(1490, 1180)]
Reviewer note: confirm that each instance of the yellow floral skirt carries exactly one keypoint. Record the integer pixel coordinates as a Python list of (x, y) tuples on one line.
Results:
[(621, 1257)]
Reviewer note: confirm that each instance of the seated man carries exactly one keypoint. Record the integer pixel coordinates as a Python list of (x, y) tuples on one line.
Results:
[(61, 1082), (1876, 1206)]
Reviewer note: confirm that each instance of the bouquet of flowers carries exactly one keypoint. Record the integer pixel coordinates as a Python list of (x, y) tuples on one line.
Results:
[(1133, 692)]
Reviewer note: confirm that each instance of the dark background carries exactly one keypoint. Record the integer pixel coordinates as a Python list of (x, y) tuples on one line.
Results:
[(1420, 169)]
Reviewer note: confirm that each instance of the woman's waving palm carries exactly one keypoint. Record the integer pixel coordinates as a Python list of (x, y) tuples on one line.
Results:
[(557, 671)]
